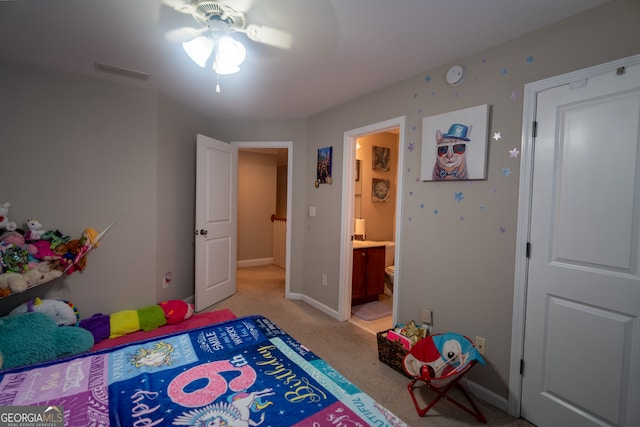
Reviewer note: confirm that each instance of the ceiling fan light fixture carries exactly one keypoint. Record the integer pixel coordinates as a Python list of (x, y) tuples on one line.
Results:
[(229, 55), (199, 49)]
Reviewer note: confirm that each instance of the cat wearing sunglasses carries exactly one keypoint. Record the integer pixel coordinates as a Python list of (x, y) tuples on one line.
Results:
[(451, 158)]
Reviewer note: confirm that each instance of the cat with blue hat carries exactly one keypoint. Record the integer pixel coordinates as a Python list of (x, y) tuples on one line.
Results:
[(451, 147), (457, 131)]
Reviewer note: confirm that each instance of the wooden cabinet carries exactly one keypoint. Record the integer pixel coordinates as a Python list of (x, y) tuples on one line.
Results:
[(368, 274)]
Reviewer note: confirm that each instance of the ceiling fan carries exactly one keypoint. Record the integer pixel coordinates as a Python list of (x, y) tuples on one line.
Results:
[(212, 42)]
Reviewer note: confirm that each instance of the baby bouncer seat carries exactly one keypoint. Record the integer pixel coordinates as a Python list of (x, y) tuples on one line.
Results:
[(440, 361)]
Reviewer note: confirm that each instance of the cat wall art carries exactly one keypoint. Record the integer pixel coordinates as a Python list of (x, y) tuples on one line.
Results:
[(454, 145)]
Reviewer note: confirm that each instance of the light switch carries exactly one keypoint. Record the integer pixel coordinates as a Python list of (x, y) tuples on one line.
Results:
[(312, 211)]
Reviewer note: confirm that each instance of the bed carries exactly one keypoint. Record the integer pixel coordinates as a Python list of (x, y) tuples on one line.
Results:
[(243, 371)]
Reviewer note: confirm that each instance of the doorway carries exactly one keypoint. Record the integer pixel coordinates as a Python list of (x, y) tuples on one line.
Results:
[(351, 138), (256, 236)]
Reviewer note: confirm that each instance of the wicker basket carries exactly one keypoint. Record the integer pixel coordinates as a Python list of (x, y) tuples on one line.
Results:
[(391, 353)]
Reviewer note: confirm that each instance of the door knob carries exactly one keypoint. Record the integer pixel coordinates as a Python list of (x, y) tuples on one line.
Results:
[(203, 232)]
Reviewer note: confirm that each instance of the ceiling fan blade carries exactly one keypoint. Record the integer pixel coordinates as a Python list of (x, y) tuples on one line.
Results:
[(183, 34), (180, 5), (269, 36)]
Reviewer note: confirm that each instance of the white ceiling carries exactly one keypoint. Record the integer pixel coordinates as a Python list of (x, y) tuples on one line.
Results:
[(341, 48)]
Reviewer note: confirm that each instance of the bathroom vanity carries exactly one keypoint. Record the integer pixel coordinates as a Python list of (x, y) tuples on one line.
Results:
[(368, 271)]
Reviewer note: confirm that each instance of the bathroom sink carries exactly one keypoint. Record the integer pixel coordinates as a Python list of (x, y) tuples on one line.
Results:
[(357, 244)]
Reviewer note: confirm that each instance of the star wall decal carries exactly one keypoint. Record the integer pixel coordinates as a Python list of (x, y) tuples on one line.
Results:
[(514, 153), (412, 146), (427, 79), (529, 59), (503, 71), (502, 230), (506, 171), (497, 136), (515, 95), (436, 211), (458, 196)]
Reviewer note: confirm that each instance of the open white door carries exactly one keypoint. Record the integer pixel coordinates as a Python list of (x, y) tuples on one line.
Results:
[(216, 221), (582, 333)]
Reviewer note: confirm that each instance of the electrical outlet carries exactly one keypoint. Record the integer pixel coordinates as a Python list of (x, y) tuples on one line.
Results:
[(324, 279), (481, 345), (166, 280), (426, 316)]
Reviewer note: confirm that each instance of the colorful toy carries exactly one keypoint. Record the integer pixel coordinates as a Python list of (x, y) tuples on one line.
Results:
[(35, 229), (103, 326), (61, 311), (11, 282), (4, 218), (175, 311), (30, 338)]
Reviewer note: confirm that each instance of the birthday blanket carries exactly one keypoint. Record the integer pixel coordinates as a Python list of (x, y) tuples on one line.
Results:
[(242, 372)]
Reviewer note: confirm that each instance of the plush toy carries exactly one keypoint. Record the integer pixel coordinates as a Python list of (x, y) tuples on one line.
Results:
[(35, 229), (61, 311), (72, 253), (43, 251), (11, 282), (104, 326), (176, 310), (4, 218), (18, 255), (30, 338)]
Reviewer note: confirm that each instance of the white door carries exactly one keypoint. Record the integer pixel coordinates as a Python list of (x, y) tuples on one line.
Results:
[(582, 333), (216, 221)]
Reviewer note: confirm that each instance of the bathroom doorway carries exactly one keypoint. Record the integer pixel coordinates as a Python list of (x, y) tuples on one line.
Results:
[(371, 198)]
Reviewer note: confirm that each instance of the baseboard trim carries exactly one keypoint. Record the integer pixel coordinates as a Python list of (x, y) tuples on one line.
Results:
[(315, 304), (488, 396), (254, 262)]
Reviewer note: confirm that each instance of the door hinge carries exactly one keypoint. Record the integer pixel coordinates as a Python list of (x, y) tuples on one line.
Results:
[(521, 366), (528, 250), (534, 129)]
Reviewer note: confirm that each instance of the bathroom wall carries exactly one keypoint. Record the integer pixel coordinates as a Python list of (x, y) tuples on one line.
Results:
[(379, 215)]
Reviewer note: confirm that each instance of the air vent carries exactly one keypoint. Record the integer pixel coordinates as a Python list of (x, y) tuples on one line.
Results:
[(123, 72)]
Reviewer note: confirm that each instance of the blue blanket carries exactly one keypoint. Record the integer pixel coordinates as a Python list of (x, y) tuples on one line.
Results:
[(243, 372)]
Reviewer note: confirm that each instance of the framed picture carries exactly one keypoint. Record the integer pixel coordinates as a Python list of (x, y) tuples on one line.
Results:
[(454, 145), (380, 190), (323, 175), (381, 158)]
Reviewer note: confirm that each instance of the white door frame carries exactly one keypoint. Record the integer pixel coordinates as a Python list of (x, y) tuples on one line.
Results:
[(289, 146), (348, 194), (531, 91)]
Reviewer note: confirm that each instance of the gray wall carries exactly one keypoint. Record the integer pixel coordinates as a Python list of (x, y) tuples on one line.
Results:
[(78, 152), (458, 262)]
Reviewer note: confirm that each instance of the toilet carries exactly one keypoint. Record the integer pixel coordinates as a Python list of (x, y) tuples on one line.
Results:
[(389, 268)]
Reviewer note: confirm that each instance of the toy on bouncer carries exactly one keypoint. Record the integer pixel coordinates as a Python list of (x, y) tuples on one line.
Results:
[(33, 337), (103, 326)]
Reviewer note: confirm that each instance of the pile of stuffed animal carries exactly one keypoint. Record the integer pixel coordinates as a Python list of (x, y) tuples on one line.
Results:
[(36, 256), (55, 330)]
